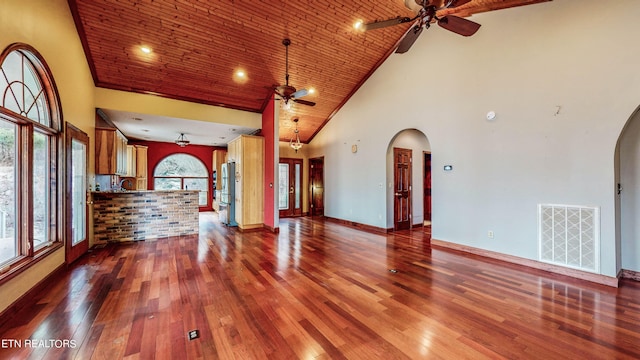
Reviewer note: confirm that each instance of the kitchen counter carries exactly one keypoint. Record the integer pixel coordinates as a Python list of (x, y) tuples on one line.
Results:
[(144, 214)]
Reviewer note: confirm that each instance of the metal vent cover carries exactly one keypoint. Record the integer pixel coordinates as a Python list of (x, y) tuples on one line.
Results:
[(569, 236)]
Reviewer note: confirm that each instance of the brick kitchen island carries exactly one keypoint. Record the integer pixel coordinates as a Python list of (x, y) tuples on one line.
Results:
[(144, 214)]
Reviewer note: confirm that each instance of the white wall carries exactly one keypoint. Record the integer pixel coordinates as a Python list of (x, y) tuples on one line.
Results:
[(522, 64)]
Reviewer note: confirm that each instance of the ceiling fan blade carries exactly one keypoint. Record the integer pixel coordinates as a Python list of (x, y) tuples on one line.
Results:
[(459, 25), (386, 23), (456, 3), (409, 39), (300, 93), (304, 102)]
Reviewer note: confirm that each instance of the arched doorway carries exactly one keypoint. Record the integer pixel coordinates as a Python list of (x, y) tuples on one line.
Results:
[(406, 152), (628, 197)]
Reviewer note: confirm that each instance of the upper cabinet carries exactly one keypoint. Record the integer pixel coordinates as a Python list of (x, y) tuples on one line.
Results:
[(131, 161), (111, 152), (141, 167)]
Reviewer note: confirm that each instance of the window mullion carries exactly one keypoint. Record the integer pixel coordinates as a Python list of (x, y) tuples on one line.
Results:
[(25, 194)]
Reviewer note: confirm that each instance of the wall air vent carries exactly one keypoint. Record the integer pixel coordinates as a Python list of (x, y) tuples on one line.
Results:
[(569, 236)]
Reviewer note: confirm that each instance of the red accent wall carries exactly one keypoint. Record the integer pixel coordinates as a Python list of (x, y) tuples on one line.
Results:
[(159, 150), (268, 128)]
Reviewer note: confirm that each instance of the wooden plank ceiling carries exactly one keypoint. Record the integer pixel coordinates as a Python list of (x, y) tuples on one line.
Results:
[(198, 44)]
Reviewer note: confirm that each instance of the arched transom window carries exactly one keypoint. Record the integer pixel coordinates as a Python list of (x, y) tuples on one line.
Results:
[(182, 171)]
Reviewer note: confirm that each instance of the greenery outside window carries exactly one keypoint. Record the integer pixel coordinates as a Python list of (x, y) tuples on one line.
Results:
[(182, 172)]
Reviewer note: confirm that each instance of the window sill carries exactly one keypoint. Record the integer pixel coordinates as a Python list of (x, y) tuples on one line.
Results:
[(25, 262)]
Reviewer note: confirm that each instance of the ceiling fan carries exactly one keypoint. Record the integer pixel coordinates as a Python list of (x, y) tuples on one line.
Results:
[(426, 12), (286, 91)]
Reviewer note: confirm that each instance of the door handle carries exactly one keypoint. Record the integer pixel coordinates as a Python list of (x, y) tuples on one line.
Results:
[(291, 190)]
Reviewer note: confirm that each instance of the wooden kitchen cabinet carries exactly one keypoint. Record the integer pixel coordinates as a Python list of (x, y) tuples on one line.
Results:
[(137, 172), (141, 167), (219, 158), (131, 161), (111, 152), (247, 152)]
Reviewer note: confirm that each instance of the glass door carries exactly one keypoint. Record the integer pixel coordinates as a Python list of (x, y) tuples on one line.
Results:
[(290, 189), (77, 155)]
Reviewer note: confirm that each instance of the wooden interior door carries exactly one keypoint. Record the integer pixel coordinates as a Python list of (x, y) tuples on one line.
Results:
[(290, 191), (402, 187), (427, 186), (77, 160), (316, 184)]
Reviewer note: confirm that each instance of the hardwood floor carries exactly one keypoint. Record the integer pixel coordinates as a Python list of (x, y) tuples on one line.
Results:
[(318, 290)]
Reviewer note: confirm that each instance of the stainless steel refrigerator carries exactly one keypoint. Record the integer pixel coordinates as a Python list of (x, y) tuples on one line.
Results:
[(227, 211)]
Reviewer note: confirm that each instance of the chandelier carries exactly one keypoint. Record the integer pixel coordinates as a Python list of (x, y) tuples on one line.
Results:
[(295, 145), (182, 141)]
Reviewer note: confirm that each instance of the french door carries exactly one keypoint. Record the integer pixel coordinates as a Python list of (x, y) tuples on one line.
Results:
[(290, 190), (77, 155)]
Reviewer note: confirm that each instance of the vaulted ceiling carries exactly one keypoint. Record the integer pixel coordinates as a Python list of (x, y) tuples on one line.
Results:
[(198, 45)]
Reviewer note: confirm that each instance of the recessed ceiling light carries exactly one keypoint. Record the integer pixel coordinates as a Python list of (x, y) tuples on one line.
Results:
[(312, 90), (358, 25), (240, 76), (145, 49)]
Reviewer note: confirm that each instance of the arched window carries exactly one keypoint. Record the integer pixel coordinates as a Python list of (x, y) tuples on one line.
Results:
[(182, 171), (30, 136)]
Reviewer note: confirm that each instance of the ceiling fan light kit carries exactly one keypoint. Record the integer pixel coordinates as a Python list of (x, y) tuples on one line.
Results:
[(426, 14), (287, 93)]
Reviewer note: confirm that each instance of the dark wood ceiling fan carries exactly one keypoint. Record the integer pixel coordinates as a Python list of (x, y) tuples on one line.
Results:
[(426, 13), (287, 92)]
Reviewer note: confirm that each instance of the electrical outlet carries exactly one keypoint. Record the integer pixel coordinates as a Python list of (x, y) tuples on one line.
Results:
[(490, 234), (193, 334)]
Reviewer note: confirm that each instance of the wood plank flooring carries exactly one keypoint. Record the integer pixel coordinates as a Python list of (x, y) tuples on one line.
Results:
[(319, 290)]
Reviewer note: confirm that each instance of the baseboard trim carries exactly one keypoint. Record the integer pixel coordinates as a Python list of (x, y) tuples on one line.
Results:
[(8, 315), (359, 226), (630, 274), (578, 274), (274, 230), (250, 228)]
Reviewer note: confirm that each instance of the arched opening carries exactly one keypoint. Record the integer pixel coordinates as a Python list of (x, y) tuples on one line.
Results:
[(415, 202), (628, 198), (182, 172)]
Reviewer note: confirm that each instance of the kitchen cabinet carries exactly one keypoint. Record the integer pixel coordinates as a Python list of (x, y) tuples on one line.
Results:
[(141, 167), (137, 168), (131, 161), (111, 152), (219, 158), (247, 151)]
